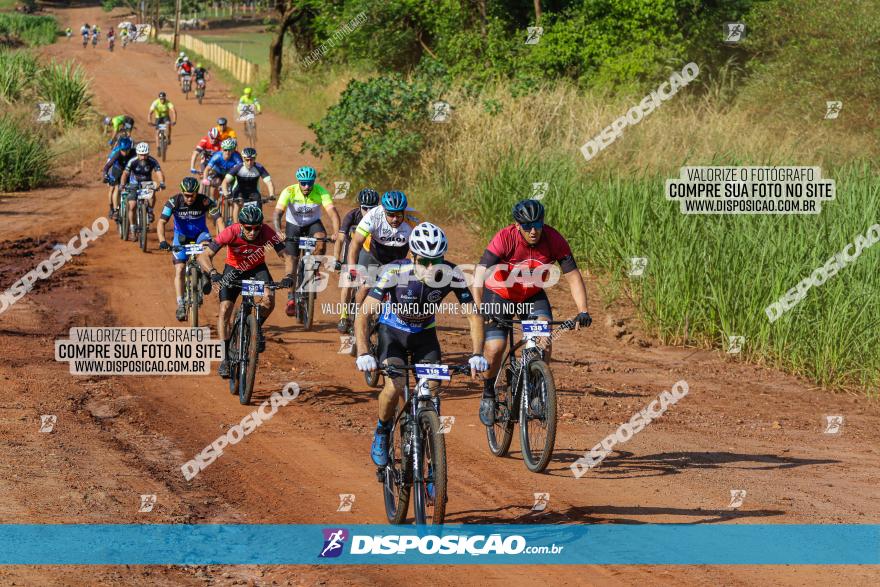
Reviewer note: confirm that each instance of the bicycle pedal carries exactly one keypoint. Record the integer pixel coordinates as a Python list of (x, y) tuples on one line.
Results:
[(380, 474)]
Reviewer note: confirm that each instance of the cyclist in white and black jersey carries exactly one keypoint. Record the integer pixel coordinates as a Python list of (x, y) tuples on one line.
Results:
[(388, 226)]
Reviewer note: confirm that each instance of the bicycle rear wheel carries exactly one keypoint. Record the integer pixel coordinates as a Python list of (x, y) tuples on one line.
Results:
[(500, 434), (537, 421), (194, 293), (430, 496), (123, 220), (398, 476), (142, 222), (249, 365)]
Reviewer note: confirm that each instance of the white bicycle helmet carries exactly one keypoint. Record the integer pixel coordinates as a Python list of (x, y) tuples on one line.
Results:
[(428, 240), (142, 149)]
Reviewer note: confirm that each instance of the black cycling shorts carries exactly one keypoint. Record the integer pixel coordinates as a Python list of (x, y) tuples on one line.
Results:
[(292, 231), (230, 294), (394, 343), (538, 305), (244, 197)]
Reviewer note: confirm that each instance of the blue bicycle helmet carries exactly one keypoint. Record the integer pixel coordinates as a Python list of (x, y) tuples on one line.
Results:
[(394, 201), (306, 173), (124, 144)]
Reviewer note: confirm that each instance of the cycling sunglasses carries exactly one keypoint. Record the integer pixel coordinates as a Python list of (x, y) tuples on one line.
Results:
[(425, 262), (528, 226), (366, 209), (307, 184), (250, 228)]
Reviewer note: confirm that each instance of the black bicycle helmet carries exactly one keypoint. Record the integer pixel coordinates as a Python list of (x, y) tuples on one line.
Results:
[(221, 121), (528, 211), (250, 215), (249, 152), (368, 198), (189, 185)]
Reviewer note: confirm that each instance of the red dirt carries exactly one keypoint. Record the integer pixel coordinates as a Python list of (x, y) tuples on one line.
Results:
[(741, 426)]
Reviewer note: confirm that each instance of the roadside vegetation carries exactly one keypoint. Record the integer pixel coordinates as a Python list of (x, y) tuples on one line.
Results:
[(30, 149)]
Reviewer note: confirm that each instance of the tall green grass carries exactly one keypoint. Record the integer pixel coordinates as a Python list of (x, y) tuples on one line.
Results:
[(18, 70), (24, 156), (30, 30), (67, 86), (709, 277)]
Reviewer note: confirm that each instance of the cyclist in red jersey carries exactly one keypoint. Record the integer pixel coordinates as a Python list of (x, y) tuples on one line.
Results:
[(208, 145), (245, 243), (522, 247)]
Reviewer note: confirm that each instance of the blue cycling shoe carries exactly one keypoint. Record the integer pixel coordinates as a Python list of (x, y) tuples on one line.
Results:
[(379, 451)]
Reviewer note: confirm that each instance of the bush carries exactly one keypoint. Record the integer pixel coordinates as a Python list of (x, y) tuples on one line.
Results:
[(66, 85), (377, 126), (30, 30), (18, 70), (24, 157)]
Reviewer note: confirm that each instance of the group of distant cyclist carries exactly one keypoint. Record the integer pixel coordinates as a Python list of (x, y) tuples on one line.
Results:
[(128, 33), (384, 232)]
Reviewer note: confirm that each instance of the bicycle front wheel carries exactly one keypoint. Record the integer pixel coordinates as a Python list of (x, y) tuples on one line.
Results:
[(371, 378), (249, 365), (142, 221), (537, 419), (430, 503), (398, 476), (193, 292), (234, 358)]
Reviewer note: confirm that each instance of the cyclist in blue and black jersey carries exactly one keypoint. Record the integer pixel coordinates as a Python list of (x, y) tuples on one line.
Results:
[(112, 171), (190, 211), (407, 324), (223, 161), (242, 182), (138, 169)]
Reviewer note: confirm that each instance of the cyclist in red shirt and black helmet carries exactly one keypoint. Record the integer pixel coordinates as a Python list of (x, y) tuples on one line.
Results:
[(524, 245), (245, 243)]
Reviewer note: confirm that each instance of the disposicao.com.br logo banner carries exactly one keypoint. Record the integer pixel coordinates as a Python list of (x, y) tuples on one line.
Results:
[(566, 544)]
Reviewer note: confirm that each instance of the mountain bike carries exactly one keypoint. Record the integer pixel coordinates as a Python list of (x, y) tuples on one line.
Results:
[(141, 215), (417, 448), (186, 85), (128, 192), (200, 89), (243, 352), (247, 115), (94, 41), (193, 278), (112, 42), (526, 393), (307, 277), (124, 41), (85, 39), (161, 138)]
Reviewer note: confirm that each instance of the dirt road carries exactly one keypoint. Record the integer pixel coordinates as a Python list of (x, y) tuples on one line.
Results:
[(741, 427)]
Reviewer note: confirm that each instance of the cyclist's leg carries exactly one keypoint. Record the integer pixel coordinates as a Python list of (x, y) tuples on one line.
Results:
[(261, 273), (371, 268), (291, 258), (425, 348), (132, 203), (392, 351), (316, 229), (228, 295), (179, 261), (494, 345)]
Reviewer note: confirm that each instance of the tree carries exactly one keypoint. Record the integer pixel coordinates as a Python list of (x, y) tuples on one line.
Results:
[(291, 11)]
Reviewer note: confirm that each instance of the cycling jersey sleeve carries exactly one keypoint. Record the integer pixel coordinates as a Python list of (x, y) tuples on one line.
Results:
[(459, 286), (348, 221), (561, 250), (284, 198), (234, 171), (326, 197), (386, 282), (365, 226), (168, 210), (223, 238), (489, 258), (262, 170), (213, 207)]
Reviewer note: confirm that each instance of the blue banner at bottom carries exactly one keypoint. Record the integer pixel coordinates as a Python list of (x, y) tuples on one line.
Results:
[(275, 544)]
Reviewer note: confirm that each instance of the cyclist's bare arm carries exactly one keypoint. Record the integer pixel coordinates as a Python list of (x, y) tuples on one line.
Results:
[(354, 247), (192, 160), (578, 289), (475, 323), (270, 185), (276, 218), (123, 180), (370, 307), (173, 114), (206, 260), (160, 229), (161, 175), (334, 216), (224, 185), (477, 287)]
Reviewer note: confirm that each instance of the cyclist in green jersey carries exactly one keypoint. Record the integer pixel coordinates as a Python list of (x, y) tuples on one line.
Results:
[(163, 111)]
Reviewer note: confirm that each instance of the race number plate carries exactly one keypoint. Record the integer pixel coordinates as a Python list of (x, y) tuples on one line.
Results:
[(252, 288), (307, 243), (145, 194), (254, 204), (163, 126), (432, 371), (535, 328), (193, 249)]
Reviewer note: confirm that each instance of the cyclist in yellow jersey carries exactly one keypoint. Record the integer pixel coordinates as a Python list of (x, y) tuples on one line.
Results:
[(301, 203), (248, 99), (164, 111), (224, 130)]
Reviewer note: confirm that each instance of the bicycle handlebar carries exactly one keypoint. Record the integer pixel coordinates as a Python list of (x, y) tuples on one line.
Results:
[(505, 322), (273, 285), (393, 370), (326, 239)]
